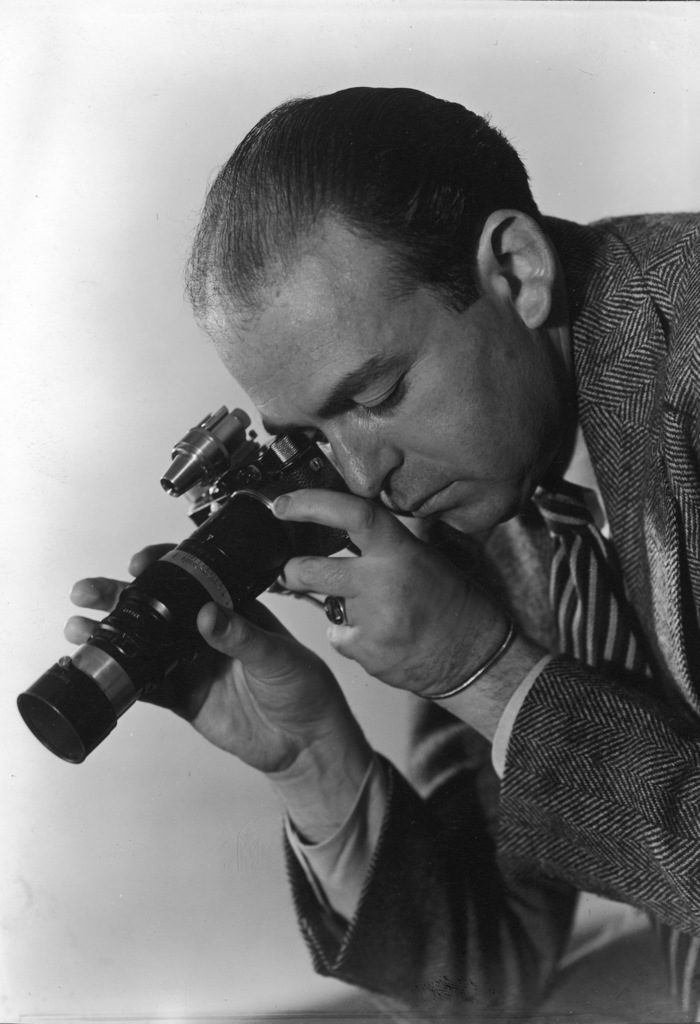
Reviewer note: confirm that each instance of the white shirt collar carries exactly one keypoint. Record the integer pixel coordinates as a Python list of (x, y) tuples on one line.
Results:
[(580, 472)]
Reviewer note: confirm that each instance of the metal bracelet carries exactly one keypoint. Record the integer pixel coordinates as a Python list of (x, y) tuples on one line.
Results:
[(490, 661)]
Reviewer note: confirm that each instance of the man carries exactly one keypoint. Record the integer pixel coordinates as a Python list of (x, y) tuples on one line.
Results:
[(373, 269)]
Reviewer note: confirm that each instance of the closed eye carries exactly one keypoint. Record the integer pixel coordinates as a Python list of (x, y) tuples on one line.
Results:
[(388, 401)]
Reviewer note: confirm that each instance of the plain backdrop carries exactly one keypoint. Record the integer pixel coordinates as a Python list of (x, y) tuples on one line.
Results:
[(148, 882)]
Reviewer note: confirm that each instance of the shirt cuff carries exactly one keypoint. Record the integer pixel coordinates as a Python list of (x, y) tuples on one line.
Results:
[(510, 713), (336, 868)]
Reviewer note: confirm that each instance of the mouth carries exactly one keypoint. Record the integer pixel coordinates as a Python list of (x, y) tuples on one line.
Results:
[(421, 509), (432, 505)]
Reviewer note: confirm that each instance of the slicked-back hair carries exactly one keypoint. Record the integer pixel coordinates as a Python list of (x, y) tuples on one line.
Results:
[(417, 174)]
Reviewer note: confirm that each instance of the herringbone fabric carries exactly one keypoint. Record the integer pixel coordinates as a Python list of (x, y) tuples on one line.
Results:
[(596, 626)]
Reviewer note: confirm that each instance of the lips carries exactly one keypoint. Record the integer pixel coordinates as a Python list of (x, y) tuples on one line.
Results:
[(432, 504), (419, 509), (393, 506)]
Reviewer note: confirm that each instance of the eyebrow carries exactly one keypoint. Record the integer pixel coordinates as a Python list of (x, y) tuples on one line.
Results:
[(342, 394)]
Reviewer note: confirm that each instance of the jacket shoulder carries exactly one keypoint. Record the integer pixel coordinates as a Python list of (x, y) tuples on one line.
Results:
[(653, 232), (666, 250)]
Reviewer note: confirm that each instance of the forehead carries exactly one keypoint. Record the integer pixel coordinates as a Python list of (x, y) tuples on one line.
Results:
[(333, 309)]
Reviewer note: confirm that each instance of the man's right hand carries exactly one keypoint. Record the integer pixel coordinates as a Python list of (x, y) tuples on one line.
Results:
[(255, 692)]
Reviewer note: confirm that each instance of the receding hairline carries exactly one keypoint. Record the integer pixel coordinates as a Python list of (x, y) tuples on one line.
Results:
[(223, 307)]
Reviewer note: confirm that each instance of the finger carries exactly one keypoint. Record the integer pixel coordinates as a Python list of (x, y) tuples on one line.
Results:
[(333, 576), (97, 592), (237, 637), (78, 629), (368, 524), (343, 639), (143, 558), (263, 617)]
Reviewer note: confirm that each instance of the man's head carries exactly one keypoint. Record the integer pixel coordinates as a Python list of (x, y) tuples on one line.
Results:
[(417, 174), (372, 268)]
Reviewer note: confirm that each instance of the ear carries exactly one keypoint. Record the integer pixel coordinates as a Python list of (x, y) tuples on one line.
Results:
[(517, 263)]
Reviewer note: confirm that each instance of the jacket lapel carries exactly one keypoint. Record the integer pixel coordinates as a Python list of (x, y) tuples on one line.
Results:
[(620, 362)]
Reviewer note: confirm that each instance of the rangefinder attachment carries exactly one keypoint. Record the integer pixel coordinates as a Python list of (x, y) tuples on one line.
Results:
[(237, 551)]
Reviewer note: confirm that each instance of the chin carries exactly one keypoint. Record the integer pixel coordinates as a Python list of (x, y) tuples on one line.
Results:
[(467, 520), (483, 516)]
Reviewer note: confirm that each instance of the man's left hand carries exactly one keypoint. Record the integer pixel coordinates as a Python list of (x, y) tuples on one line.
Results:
[(414, 620)]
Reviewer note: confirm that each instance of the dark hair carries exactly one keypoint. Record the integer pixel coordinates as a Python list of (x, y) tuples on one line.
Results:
[(417, 174)]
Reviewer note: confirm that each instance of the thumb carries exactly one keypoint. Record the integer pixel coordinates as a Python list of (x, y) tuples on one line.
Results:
[(223, 630)]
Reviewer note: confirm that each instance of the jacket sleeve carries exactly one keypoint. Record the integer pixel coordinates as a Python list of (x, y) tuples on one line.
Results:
[(602, 790), (440, 929)]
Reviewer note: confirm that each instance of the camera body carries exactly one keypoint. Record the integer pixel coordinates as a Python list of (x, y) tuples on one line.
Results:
[(237, 551)]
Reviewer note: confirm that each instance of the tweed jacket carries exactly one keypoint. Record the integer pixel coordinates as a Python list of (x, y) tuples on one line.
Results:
[(470, 894)]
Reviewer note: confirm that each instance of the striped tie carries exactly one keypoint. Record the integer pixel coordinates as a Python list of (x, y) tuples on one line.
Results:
[(597, 625), (594, 620)]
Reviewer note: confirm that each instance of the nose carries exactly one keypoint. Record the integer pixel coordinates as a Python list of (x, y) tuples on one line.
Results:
[(364, 459)]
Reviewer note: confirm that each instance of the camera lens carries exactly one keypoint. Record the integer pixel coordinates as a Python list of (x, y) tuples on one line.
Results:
[(67, 711)]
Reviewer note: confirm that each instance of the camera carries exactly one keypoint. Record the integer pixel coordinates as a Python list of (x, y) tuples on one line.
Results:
[(237, 551)]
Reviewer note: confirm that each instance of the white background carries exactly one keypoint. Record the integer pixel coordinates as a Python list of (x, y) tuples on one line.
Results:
[(148, 881)]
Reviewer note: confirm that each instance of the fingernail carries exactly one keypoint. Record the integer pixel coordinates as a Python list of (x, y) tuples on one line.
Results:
[(281, 504)]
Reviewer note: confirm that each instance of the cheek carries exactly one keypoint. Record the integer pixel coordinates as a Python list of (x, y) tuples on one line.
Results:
[(478, 419), (473, 431), (523, 411), (496, 437)]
